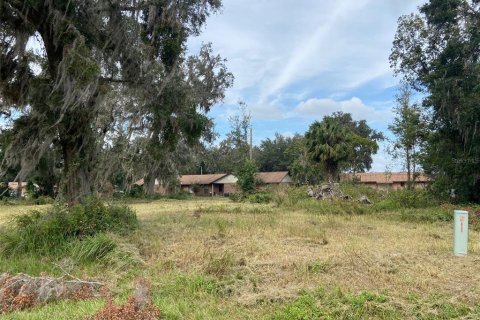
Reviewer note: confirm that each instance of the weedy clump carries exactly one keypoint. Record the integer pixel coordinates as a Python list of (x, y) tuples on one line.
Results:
[(139, 306), (405, 198), (51, 231)]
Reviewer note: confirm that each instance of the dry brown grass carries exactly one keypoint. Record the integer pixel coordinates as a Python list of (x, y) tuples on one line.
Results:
[(8, 211), (261, 254), (278, 253)]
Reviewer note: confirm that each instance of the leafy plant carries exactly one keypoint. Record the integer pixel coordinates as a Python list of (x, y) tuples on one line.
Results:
[(51, 230), (246, 175)]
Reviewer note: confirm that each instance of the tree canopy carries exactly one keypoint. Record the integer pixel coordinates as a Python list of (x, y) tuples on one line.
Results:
[(334, 146), (437, 51), (79, 73)]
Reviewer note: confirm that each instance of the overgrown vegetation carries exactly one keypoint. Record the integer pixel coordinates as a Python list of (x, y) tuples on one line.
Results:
[(217, 259), (52, 230)]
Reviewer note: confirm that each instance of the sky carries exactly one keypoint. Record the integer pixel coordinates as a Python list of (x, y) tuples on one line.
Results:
[(295, 61)]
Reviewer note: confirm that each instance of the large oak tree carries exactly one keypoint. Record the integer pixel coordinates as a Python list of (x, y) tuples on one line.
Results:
[(75, 71)]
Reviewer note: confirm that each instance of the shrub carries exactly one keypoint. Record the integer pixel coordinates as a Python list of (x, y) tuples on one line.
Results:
[(289, 196), (49, 231), (260, 197), (92, 248), (405, 198), (136, 191), (182, 195), (42, 200), (246, 175), (236, 197)]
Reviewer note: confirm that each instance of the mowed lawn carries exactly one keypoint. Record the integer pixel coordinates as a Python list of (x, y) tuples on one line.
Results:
[(215, 259)]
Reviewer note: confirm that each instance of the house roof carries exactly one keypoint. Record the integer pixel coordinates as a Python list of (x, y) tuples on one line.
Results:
[(200, 178), (272, 177), (386, 178)]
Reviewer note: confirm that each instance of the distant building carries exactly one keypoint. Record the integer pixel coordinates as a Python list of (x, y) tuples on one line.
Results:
[(205, 184), (275, 178), (224, 184), (394, 180), (159, 188)]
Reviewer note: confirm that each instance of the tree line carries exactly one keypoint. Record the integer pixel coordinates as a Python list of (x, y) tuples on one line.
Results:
[(108, 94)]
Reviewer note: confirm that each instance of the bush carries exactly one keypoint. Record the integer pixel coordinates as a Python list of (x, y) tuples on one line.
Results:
[(42, 200), (92, 248), (136, 191), (236, 197), (289, 196), (182, 195), (259, 197), (404, 198), (47, 232), (246, 175)]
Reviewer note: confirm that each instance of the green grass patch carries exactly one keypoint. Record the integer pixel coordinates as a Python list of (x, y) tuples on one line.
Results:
[(51, 231), (369, 305)]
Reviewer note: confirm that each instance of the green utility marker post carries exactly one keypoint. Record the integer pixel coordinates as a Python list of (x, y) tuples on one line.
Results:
[(460, 233)]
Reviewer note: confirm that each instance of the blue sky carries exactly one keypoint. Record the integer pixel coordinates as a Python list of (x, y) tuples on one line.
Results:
[(295, 61)]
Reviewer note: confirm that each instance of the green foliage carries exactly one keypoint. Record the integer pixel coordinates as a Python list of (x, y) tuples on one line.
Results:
[(436, 51), (319, 305), (50, 231), (136, 191), (289, 196), (334, 146), (362, 159), (92, 248), (405, 198), (302, 169), (262, 196), (273, 155), (231, 153), (75, 102), (409, 129), (246, 175), (42, 200)]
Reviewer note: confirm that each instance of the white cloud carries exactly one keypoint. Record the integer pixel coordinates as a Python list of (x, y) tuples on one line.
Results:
[(274, 45), (318, 108), (284, 52)]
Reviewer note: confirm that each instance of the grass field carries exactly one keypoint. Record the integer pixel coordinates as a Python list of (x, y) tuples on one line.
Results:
[(215, 259)]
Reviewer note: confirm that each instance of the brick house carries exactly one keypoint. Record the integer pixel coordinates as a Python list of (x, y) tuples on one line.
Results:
[(203, 184), (224, 184), (394, 180)]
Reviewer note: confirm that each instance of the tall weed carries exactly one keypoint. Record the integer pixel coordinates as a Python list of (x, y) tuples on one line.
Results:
[(49, 231)]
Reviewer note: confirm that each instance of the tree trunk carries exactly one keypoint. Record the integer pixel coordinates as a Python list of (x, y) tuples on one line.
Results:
[(409, 170), (77, 180), (79, 144), (19, 187), (149, 184)]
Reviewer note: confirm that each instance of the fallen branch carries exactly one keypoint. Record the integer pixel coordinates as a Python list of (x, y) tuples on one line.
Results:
[(22, 291)]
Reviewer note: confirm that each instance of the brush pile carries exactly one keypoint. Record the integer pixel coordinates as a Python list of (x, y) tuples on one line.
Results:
[(332, 191), (327, 191), (21, 291)]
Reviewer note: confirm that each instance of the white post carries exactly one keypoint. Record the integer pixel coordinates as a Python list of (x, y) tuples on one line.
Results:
[(460, 233)]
